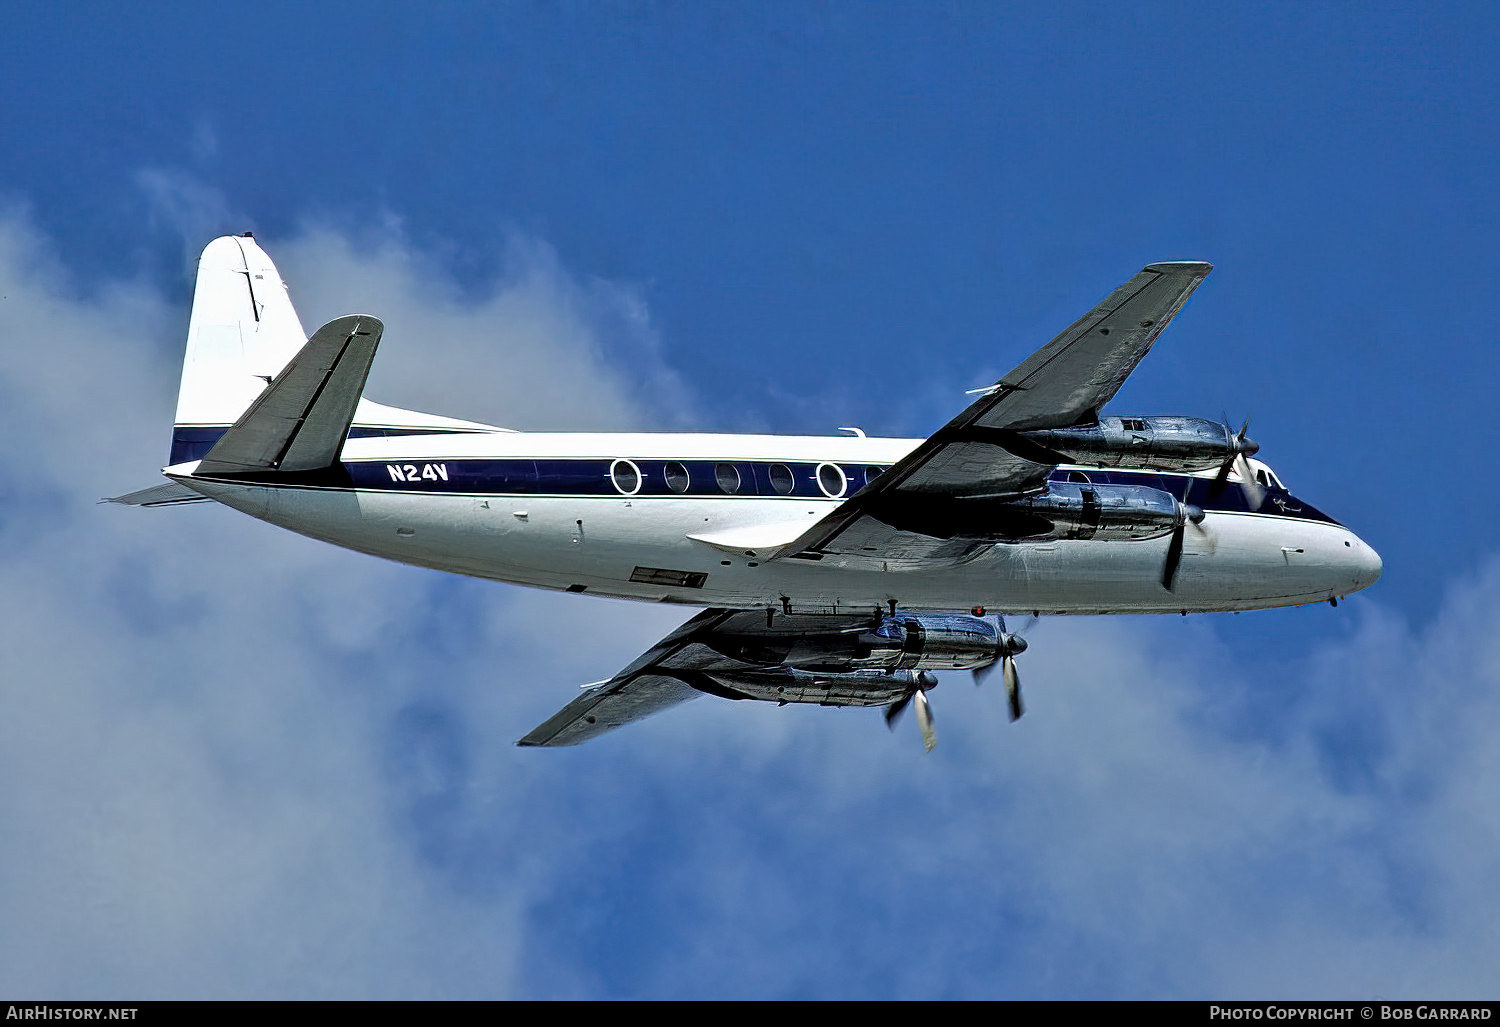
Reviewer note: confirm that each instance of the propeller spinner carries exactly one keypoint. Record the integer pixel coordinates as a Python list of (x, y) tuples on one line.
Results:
[(1241, 447), (1006, 649)]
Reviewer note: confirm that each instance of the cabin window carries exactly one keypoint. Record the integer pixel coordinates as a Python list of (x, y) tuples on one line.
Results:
[(677, 477), (626, 476), (728, 477), (782, 480), (1132, 424), (872, 472), (1079, 477), (831, 480)]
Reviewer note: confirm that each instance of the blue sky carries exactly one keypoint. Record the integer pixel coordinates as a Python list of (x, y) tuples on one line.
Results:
[(240, 763)]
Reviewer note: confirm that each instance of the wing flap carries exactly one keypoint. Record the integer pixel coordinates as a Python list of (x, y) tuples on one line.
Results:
[(975, 468), (300, 422)]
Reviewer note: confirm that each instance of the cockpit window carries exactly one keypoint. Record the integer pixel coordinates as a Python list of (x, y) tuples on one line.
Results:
[(1266, 478)]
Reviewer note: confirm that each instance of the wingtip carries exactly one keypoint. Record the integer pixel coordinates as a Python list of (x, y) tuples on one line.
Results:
[(1180, 267)]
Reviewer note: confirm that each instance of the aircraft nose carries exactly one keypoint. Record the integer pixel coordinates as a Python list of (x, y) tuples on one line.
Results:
[(1367, 565)]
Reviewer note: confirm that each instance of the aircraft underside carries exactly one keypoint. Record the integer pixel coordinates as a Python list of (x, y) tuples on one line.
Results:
[(629, 549)]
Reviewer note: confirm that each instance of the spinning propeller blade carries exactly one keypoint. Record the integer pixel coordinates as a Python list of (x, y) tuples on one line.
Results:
[(924, 718), (1006, 649), (917, 691), (1240, 449), (894, 710), (1190, 515), (1013, 689)]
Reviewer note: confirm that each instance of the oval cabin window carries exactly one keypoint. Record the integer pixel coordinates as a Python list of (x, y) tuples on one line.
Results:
[(677, 477), (728, 477), (626, 476), (831, 480), (782, 480)]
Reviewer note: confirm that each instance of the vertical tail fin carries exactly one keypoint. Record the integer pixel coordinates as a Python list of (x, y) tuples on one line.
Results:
[(241, 333)]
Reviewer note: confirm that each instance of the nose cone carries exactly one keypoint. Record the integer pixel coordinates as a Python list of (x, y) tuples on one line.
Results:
[(1367, 565)]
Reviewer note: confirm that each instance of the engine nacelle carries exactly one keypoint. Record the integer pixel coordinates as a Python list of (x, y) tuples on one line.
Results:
[(899, 642), (1150, 443), (1071, 510), (839, 688), (930, 642), (1064, 510)]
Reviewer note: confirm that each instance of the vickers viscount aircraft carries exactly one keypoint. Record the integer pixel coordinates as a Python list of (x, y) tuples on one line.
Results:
[(840, 570)]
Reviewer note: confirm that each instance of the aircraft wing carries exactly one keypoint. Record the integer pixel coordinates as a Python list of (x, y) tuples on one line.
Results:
[(980, 454), (635, 692), (734, 654)]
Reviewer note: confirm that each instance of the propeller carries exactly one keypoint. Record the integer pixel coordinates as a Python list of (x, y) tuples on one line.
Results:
[(1005, 655), (1189, 515), (1240, 448), (923, 681)]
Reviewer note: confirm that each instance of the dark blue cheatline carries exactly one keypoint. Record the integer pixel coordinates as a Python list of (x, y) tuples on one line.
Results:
[(710, 478), (757, 478), (594, 477)]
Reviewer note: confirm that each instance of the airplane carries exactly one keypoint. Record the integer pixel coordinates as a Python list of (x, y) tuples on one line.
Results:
[(841, 570)]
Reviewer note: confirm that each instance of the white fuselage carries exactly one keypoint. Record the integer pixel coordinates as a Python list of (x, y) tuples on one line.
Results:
[(433, 501)]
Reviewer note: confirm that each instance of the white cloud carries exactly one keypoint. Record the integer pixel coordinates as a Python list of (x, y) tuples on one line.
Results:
[(184, 206), (201, 712), (237, 762)]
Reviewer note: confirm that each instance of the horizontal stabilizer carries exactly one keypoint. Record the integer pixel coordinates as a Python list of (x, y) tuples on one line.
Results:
[(167, 494), (300, 421)]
